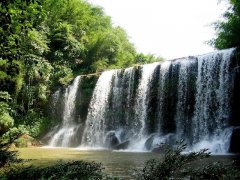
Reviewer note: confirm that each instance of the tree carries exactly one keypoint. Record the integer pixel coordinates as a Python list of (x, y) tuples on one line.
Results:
[(111, 49), (149, 58), (44, 44), (6, 121), (228, 30)]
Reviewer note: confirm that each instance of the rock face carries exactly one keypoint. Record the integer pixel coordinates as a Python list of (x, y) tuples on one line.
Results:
[(234, 143)]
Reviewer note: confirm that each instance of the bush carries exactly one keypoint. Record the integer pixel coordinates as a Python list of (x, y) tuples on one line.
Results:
[(71, 170), (35, 123), (6, 120), (176, 165), (214, 171), (7, 158)]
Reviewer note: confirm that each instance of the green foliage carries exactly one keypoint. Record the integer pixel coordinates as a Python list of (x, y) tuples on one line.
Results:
[(150, 58), (37, 87), (6, 121), (214, 171), (13, 133), (7, 158), (111, 49), (16, 18), (44, 44), (20, 143), (177, 165), (35, 123), (228, 30), (36, 42), (71, 170), (62, 75), (5, 96), (11, 76), (18, 77), (172, 162)]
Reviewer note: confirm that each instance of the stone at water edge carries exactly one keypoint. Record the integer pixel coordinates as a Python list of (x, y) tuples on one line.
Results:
[(111, 140), (149, 142), (25, 140), (123, 145)]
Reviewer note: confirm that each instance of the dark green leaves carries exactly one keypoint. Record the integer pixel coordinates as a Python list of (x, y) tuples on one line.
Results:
[(228, 30)]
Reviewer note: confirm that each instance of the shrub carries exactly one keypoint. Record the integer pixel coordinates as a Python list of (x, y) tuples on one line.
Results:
[(7, 158), (71, 170), (214, 171), (35, 123), (176, 165)]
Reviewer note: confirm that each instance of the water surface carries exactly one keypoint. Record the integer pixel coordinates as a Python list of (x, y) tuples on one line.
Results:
[(116, 163), (120, 164)]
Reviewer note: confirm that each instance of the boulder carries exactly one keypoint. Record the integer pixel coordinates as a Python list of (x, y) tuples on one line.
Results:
[(160, 149), (111, 140), (149, 142), (123, 145), (26, 140)]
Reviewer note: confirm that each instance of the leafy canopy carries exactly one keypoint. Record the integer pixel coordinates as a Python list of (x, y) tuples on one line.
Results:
[(228, 30)]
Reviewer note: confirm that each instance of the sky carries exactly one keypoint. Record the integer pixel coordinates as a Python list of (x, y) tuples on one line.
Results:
[(167, 28)]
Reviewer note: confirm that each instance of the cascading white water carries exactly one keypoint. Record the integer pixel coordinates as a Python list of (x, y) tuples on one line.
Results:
[(186, 98), (182, 122), (128, 77), (139, 107), (163, 93), (95, 128), (214, 89), (55, 98), (68, 128)]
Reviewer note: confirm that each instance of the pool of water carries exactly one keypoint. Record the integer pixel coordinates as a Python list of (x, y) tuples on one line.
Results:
[(116, 163), (120, 164)]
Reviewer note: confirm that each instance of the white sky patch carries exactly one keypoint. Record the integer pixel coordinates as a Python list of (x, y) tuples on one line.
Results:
[(168, 28)]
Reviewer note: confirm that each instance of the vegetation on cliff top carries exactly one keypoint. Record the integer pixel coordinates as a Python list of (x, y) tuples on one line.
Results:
[(44, 44)]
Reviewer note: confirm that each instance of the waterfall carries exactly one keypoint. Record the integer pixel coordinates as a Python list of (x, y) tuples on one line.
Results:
[(139, 107), (214, 91), (142, 96), (163, 95), (186, 98), (63, 137), (96, 125)]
